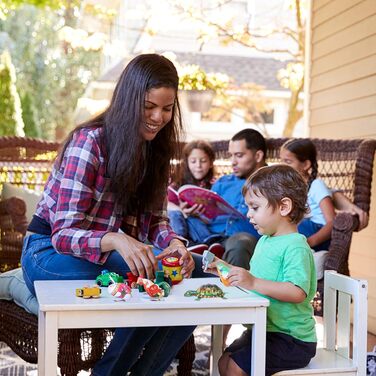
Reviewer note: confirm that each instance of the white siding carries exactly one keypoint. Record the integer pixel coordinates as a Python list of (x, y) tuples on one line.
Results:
[(342, 100)]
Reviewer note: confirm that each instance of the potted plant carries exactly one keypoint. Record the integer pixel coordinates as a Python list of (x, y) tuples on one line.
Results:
[(199, 87)]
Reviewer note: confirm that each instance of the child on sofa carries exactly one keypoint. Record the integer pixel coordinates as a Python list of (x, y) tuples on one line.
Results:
[(301, 155)]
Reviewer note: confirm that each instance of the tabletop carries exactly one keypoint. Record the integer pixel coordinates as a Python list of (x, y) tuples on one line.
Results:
[(60, 296)]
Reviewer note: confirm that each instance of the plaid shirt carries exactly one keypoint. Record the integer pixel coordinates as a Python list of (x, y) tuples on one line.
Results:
[(80, 209)]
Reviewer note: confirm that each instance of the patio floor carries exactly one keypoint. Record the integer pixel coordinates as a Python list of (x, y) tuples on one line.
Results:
[(12, 365)]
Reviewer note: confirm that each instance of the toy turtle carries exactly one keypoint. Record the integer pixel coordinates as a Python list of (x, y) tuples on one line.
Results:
[(206, 291)]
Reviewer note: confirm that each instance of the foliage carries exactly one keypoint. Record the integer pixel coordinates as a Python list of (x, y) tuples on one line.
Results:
[(217, 23), (11, 123), (6, 6), (193, 77), (28, 115), (52, 68), (246, 101)]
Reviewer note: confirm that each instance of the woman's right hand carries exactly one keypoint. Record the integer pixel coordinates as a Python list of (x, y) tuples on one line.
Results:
[(138, 256)]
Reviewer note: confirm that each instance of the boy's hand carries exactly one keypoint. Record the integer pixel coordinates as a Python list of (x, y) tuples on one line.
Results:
[(212, 267), (241, 277)]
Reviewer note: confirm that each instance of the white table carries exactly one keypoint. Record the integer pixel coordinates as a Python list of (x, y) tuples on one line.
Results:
[(59, 308)]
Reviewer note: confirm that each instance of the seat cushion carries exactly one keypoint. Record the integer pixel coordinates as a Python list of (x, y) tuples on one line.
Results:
[(13, 287), (30, 197)]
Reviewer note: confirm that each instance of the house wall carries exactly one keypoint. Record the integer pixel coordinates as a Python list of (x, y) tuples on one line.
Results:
[(342, 100)]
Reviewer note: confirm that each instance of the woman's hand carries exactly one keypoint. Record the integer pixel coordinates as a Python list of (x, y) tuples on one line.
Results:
[(178, 249), (138, 256)]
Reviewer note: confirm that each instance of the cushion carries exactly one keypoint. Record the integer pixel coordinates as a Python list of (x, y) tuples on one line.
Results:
[(30, 197), (319, 259), (13, 287)]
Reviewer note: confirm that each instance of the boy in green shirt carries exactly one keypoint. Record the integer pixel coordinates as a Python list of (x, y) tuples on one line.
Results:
[(282, 269)]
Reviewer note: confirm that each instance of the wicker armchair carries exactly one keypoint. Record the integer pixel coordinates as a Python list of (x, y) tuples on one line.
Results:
[(343, 164)]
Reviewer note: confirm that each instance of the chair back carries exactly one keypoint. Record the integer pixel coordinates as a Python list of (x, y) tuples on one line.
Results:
[(339, 292)]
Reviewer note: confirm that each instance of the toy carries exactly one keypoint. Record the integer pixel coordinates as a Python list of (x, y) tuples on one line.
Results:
[(132, 280), (172, 269), (153, 290), (120, 290), (87, 292), (207, 258), (106, 278), (223, 271), (206, 291), (163, 282)]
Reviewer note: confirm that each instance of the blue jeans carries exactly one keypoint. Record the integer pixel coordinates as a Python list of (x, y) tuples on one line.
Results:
[(192, 228), (307, 228), (40, 261)]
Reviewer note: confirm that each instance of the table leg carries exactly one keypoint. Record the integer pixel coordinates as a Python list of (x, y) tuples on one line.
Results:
[(216, 348), (47, 339), (258, 343)]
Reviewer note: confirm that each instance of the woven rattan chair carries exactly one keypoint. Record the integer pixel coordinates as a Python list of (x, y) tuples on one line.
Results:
[(343, 164)]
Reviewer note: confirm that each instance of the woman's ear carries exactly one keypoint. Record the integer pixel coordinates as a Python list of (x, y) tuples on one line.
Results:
[(285, 206)]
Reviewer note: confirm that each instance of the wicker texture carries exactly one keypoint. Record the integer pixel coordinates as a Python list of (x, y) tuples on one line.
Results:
[(343, 164)]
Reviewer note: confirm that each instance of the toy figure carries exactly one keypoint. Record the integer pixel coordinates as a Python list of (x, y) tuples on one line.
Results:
[(132, 280), (206, 291), (172, 268), (207, 258), (223, 271), (153, 290), (120, 290), (87, 292), (106, 278)]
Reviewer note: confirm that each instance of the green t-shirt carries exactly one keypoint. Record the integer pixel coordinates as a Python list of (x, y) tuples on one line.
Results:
[(288, 258)]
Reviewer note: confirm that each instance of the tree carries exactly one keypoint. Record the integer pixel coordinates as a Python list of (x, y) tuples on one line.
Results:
[(233, 30), (28, 115), (54, 63), (11, 123)]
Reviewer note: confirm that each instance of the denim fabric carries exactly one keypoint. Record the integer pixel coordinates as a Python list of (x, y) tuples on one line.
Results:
[(307, 228), (40, 261)]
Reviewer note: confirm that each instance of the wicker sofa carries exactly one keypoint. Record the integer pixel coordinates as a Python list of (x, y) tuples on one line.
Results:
[(344, 164)]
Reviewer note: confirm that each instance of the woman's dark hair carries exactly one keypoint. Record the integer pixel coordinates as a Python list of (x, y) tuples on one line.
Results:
[(138, 169), (304, 150), (277, 182), (184, 174)]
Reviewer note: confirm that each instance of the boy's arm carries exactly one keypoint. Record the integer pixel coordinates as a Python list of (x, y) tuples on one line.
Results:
[(283, 291)]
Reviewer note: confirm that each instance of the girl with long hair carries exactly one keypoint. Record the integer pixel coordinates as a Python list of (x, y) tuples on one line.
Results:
[(317, 227)]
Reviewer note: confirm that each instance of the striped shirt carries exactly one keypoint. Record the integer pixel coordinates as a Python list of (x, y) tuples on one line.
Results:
[(80, 209)]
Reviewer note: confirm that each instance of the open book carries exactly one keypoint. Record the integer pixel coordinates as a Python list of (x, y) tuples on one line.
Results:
[(214, 204)]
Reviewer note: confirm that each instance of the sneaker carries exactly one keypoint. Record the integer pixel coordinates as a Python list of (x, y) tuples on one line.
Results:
[(217, 249), (199, 248)]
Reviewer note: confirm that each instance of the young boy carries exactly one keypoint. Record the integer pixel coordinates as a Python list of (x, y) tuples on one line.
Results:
[(281, 269)]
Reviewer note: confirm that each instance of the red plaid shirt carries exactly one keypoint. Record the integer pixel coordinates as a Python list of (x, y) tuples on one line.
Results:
[(80, 209)]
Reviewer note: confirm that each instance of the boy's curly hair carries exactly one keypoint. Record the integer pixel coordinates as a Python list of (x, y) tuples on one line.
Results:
[(277, 182)]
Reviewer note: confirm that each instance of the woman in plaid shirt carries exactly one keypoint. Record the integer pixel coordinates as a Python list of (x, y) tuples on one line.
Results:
[(104, 200)]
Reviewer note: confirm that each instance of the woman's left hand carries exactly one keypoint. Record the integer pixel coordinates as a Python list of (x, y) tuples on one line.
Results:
[(178, 249)]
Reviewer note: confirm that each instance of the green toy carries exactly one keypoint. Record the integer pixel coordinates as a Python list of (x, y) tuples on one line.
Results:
[(206, 291), (106, 278)]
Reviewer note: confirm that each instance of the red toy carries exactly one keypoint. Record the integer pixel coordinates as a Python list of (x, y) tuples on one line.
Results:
[(153, 290)]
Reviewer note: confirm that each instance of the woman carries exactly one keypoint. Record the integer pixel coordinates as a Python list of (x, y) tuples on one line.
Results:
[(103, 200)]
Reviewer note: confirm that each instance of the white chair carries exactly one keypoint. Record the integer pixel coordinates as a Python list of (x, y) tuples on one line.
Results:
[(334, 358)]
